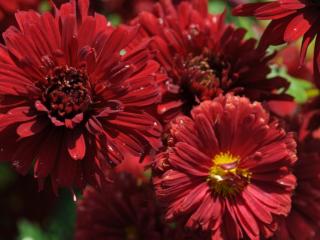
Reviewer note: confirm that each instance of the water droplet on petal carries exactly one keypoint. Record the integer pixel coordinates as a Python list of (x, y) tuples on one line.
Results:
[(74, 197), (110, 148), (123, 52)]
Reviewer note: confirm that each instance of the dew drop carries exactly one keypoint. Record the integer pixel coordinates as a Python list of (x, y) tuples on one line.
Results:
[(75, 199), (123, 52), (110, 148), (257, 156), (214, 19)]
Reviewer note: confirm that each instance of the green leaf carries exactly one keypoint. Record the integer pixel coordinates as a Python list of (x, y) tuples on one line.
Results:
[(44, 6), (29, 231), (217, 6), (115, 19), (62, 223), (60, 226), (7, 176)]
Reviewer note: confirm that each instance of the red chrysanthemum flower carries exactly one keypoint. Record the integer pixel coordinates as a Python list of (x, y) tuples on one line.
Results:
[(72, 96), (205, 57), (303, 221), (122, 210), (227, 170), (291, 19)]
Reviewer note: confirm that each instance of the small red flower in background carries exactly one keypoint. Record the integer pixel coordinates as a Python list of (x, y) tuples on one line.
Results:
[(72, 96), (309, 131), (205, 57), (290, 21), (289, 57), (303, 222), (9, 7), (227, 170), (123, 210), (126, 9)]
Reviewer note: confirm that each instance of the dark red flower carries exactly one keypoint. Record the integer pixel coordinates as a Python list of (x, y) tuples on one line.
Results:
[(123, 210), (303, 221), (291, 19), (205, 57), (227, 170), (73, 97)]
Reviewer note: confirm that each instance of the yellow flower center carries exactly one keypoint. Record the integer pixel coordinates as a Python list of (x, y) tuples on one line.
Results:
[(225, 177)]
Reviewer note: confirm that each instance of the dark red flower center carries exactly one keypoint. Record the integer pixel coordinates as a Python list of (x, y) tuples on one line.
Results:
[(205, 77), (67, 92), (226, 178)]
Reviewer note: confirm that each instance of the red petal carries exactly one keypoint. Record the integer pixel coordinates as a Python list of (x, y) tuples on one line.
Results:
[(274, 33), (76, 145), (31, 128), (298, 26), (47, 156), (307, 39)]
